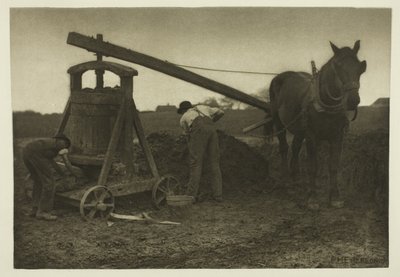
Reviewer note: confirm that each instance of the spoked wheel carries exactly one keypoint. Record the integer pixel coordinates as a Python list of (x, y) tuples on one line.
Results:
[(96, 200), (167, 185)]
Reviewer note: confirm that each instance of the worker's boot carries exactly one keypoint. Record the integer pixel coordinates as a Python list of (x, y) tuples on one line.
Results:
[(46, 216)]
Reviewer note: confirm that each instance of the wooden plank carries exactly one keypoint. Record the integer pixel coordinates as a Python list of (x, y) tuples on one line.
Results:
[(112, 50), (116, 68), (256, 125), (73, 201), (127, 143), (143, 142), (132, 187), (73, 197), (112, 146), (142, 217)]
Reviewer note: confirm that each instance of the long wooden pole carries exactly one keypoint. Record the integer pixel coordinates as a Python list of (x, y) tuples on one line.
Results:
[(112, 50)]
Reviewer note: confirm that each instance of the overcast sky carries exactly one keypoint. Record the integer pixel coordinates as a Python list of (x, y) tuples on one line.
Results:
[(250, 39)]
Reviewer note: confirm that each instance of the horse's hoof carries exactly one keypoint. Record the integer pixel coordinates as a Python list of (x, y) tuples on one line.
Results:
[(338, 204)]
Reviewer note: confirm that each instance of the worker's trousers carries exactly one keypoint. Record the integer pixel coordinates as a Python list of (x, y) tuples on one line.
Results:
[(41, 172), (203, 143)]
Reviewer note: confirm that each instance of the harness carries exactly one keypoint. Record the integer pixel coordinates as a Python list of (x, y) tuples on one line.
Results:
[(199, 112), (314, 99), (317, 102), (200, 115)]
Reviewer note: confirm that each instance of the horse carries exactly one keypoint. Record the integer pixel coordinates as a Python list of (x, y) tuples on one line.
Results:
[(313, 108)]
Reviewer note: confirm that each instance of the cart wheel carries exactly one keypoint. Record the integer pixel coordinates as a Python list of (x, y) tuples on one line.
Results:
[(97, 199), (167, 185)]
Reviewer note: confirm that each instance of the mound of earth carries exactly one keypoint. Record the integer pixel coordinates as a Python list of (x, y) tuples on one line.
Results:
[(363, 171), (240, 165), (365, 164)]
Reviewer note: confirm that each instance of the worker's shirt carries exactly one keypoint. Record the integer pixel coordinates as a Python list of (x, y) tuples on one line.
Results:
[(45, 148), (200, 110)]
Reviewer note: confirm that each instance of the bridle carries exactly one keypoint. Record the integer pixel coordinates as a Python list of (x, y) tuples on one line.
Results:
[(345, 88)]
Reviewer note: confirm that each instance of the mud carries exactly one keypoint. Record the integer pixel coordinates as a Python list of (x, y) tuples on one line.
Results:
[(262, 222)]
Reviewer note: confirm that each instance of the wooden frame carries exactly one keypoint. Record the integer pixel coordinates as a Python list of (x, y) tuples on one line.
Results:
[(127, 117)]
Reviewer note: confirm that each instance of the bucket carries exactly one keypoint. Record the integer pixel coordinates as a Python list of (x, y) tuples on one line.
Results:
[(179, 200)]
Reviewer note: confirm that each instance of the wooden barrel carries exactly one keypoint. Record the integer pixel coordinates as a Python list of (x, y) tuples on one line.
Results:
[(93, 114)]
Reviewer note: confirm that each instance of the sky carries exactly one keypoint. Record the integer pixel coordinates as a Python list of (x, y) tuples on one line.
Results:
[(261, 39)]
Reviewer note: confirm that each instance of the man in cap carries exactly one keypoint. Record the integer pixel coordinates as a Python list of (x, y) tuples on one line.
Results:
[(38, 157), (197, 123)]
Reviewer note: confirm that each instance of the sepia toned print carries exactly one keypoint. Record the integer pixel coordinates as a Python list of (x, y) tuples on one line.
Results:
[(197, 138)]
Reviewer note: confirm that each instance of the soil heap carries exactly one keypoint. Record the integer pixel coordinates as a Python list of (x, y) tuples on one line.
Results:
[(240, 165)]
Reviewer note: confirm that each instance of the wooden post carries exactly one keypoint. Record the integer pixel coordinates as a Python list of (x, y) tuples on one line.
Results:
[(116, 133), (65, 117), (127, 151), (99, 37), (143, 142), (99, 73), (76, 81)]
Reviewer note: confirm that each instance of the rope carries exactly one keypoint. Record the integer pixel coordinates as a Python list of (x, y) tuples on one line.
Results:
[(224, 70)]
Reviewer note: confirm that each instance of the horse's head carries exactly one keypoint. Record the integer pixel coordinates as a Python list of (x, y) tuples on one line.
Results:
[(348, 69)]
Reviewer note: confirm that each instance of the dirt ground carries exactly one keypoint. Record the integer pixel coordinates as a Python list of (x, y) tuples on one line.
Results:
[(262, 222)]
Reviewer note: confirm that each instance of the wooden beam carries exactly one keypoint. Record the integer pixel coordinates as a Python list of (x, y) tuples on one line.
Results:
[(133, 186), (256, 125), (112, 146), (112, 50), (65, 117), (127, 140), (143, 142)]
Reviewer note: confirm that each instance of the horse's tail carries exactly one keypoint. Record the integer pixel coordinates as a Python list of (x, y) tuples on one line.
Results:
[(274, 89)]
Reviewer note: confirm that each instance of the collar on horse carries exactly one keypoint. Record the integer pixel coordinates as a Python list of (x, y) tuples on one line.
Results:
[(317, 102)]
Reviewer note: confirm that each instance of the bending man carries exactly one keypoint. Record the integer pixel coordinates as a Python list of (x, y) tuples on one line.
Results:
[(39, 157), (198, 124)]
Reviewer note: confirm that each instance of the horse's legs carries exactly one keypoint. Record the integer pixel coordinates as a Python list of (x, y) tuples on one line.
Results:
[(283, 146), (335, 151), (312, 150), (294, 161)]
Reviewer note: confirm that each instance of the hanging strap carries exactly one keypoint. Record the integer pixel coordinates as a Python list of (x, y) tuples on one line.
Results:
[(199, 112)]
